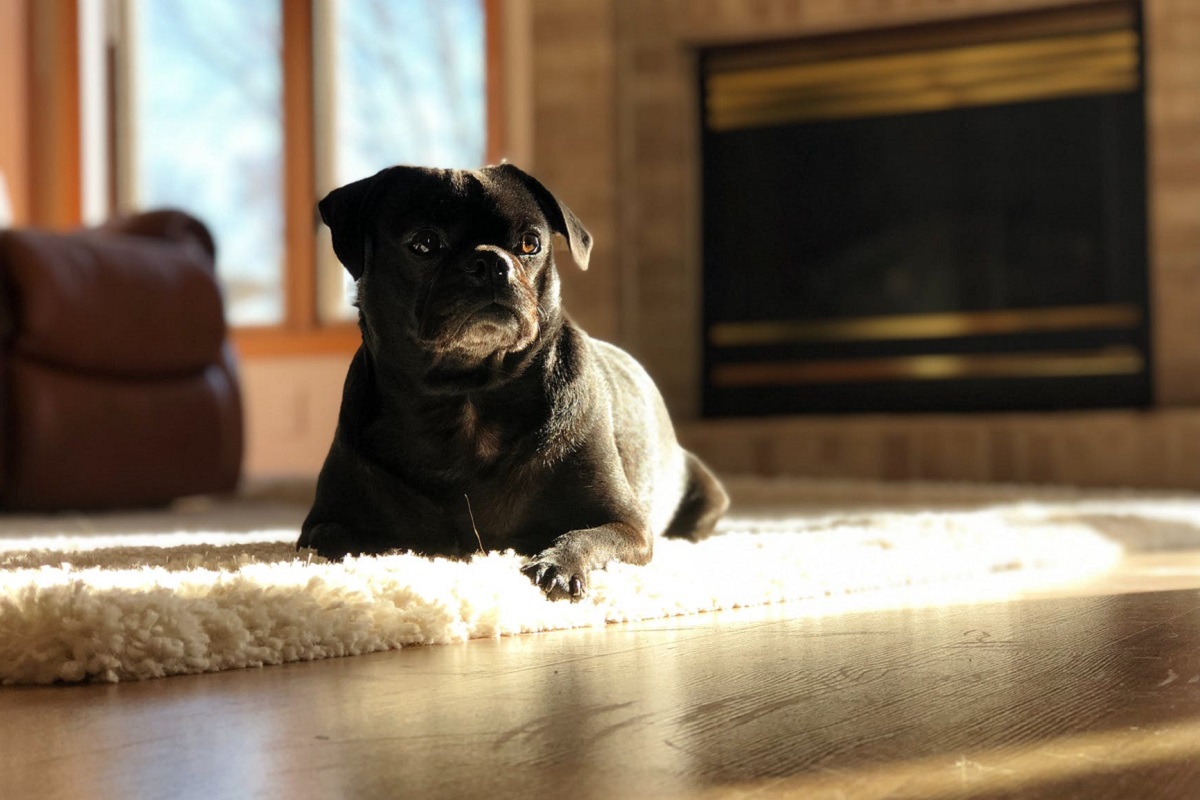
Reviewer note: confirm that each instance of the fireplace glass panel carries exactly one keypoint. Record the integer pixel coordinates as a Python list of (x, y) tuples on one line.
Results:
[(875, 244)]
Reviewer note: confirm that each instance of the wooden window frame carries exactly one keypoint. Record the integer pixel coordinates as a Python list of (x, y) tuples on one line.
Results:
[(302, 331), (54, 156), (56, 180)]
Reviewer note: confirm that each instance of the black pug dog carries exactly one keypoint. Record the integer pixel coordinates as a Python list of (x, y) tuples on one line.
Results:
[(476, 415)]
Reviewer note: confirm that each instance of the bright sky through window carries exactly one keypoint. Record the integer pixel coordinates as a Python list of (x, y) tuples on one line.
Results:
[(405, 82)]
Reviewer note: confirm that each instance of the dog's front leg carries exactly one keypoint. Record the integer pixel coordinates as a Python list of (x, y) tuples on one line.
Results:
[(562, 569)]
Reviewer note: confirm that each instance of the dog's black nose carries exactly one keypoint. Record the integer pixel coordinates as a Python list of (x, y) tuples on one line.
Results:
[(500, 270), (487, 265)]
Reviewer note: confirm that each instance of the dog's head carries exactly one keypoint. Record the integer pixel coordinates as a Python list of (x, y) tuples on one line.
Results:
[(453, 266)]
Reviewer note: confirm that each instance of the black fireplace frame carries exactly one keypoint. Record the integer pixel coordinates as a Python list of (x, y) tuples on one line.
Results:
[(821, 356)]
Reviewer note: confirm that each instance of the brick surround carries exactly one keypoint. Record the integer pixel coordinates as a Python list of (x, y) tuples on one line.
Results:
[(615, 131)]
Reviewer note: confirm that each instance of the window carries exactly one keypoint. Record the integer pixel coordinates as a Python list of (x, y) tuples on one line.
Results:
[(245, 112), (398, 83), (204, 132)]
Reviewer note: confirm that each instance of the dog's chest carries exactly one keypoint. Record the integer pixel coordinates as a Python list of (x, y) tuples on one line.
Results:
[(488, 476), (479, 440), (445, 443)]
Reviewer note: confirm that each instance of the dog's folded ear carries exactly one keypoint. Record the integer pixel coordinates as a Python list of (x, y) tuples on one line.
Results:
[(346, 211), (562, 220)]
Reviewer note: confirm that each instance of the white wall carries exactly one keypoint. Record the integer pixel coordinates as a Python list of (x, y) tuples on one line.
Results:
[(291, 406)]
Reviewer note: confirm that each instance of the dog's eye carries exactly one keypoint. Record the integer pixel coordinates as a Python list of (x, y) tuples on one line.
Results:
[(531, 243), (425, 242)]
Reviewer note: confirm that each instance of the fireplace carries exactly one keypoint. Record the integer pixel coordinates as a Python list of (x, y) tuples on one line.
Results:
[(942, 217), (627, 153)]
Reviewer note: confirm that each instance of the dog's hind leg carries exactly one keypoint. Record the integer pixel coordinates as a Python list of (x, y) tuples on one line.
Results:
[(704, 501)]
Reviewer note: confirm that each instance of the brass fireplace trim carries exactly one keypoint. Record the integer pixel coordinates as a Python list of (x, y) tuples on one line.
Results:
[(926, 326), (1108, 361), (953, 78)]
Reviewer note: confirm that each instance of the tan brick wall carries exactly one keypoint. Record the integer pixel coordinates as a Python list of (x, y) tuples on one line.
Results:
[(574, 143), (1173, 75), (1096, 448)]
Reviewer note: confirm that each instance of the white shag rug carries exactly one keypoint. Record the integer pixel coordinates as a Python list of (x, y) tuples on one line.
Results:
[(128, 598)]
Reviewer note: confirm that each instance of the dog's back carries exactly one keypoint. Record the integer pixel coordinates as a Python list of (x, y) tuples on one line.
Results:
[(651, 457)]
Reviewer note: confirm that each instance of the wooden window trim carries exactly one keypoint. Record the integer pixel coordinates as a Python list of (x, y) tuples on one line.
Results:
[(302, 332), (299, 171), (495, 91), (266, 342), (54, 137), (55, 192)]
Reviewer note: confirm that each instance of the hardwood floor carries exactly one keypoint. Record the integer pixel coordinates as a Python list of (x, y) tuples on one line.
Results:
[(1091, 692)]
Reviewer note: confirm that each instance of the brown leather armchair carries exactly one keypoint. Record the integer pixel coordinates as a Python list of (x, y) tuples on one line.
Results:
[(117, 385)]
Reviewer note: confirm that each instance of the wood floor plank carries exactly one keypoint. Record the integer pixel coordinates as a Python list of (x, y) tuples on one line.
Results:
[(1040, 697)]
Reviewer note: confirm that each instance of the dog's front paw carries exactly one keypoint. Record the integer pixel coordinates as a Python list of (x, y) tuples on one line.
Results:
[(330, 540), (557, 575)]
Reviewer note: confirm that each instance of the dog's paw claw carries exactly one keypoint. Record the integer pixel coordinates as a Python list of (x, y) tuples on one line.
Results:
[(329, 540), (535, 572), (555, 580)]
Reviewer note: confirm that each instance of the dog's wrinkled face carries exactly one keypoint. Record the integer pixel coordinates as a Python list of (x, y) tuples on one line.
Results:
[(456, 263)]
